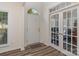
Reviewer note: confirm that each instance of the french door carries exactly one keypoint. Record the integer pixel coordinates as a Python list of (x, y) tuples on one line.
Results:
[(55, 29), (68, 18), (70, 30)]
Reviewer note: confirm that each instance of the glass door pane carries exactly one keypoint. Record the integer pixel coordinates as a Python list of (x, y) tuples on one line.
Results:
[(68, 47), (74, 32), (74, 22), (55, 30), (64, 46), (74, 50), (74, 41), (74, 13), (69, 39), (70, 31), (64, 19)]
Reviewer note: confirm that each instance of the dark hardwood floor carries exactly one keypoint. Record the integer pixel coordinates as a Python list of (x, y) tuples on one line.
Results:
[(38, 49)]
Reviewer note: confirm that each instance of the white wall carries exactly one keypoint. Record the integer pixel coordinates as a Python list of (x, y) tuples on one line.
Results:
[(45, 38), (15, 25), (17, 30), (43, 8)]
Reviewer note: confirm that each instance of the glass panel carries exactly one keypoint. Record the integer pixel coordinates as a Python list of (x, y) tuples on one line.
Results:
[(68, 31), (64, 15), (74, 50), (4, 36), (57, 42), (52, 17), (57, 16), (74, 40), (69, 18), (52, 40), (69, 14), (56, 36), (68, 47), (52, 35), (68, 22), (56, 22), (52, 24), (74, 22), (52, 21), (74, 13), (52, 29), (3, 27), (64, 19), (5, 18), (56, 30), (65, 22), (64, 38), (74, 31), (65, 30), (69, 39), (64, 45)]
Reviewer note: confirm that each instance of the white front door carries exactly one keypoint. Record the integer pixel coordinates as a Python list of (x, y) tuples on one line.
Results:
[(33, 29)]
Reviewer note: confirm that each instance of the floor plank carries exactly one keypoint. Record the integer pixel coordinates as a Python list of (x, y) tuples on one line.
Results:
[(10, 52), (37, 49), (45, 52), (55, 53), (41, 51)]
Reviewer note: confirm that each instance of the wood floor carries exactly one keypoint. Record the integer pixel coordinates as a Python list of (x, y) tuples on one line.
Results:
[(34, 50)]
